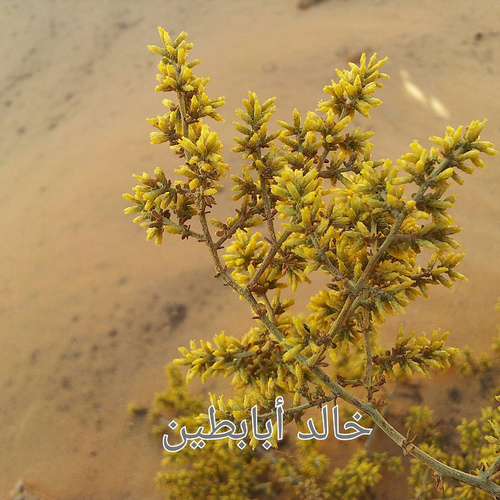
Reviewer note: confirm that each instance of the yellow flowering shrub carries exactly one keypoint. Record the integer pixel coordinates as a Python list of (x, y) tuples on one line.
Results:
[(310, 198)]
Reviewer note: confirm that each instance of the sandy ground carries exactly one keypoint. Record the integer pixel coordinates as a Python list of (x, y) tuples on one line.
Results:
[(89, 311)]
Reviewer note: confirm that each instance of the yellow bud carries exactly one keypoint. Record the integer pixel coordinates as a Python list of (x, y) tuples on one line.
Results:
[(172, 229), (445, 174), (132, 210), (291, 353), (194, 184), (293, 191), (418, 214), (296, 118), (306, 217), (165, 37), (393, 200), (182, 36)]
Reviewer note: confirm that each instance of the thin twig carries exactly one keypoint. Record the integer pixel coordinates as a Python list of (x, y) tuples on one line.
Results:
[(384, 411), (366, 328), (336, 273)]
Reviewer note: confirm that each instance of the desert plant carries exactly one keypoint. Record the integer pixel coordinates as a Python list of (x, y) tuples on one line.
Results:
[(322, 204)]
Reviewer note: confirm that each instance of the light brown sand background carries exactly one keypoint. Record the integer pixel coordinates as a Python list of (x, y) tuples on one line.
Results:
[(89, 309)]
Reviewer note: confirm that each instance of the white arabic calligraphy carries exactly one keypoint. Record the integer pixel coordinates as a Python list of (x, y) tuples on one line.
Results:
[(226, 428)]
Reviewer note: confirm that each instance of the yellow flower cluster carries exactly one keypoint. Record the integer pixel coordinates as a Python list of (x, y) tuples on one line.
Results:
[(413, 354), (246, 252), (255, 138), (156, 198), (353, 91), (258, 363)]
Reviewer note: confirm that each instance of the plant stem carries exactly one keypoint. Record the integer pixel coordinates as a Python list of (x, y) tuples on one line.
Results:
[(365, 327)]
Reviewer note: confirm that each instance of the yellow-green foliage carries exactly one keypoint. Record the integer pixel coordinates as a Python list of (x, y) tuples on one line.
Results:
[(419, 420), (479, 447), (467, 363), (415, 354), (178, 396), (215, 472), (362, 472), (322, 203)]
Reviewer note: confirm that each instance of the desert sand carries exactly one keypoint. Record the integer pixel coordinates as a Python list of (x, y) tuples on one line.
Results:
[(90, 311)]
